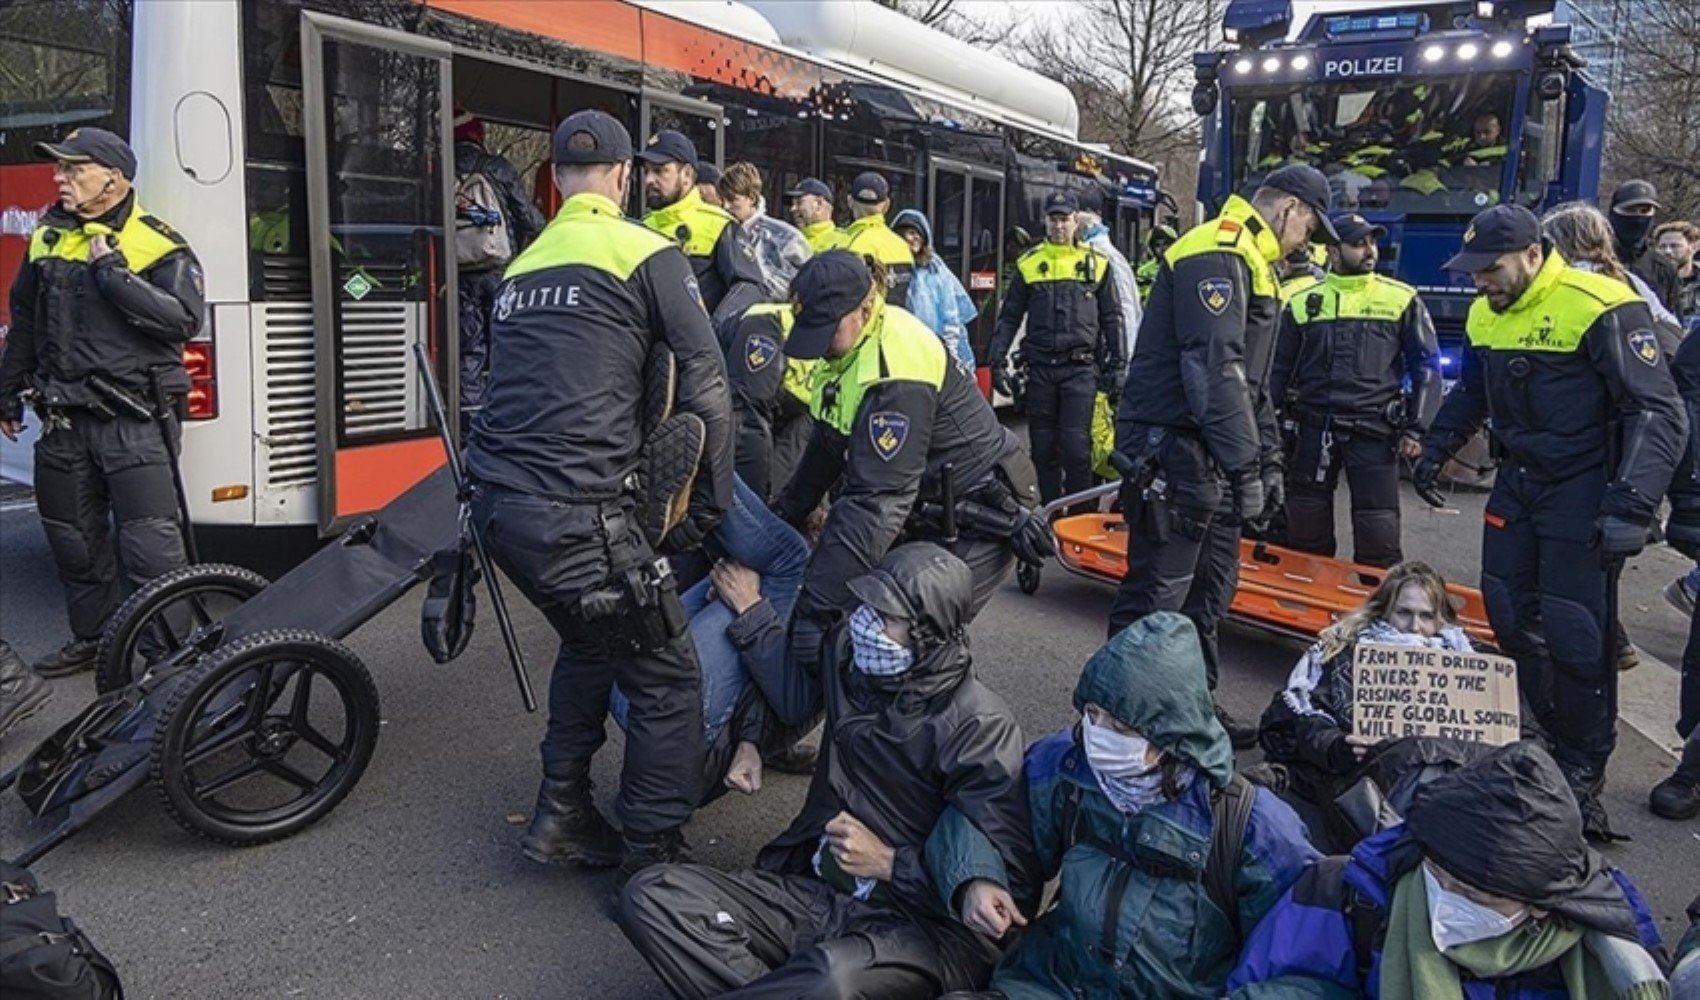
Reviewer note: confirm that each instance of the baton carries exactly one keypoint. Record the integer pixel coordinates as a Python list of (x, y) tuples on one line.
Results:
[(463, 496), (947, 487), (162, 415)]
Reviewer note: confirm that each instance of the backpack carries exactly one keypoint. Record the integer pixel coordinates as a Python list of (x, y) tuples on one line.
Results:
[(481, 225), (43, 956)]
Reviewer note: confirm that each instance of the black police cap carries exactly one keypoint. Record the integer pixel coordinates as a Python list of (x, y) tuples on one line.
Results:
[(1494, 233), (668, 146), (828, 287), (1062, 203), (591, 136), (1352, 227), (811, 185), (91, 145), (1307, 184), (870, 188)]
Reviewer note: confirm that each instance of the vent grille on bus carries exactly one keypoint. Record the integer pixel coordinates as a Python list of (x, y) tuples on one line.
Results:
[(286, 379)]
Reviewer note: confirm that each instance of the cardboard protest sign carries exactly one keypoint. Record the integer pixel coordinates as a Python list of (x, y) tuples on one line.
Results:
[(1410, 691)]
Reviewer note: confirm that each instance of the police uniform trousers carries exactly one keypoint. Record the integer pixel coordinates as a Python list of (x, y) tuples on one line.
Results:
[(1545, 587), (1183, 543), (1059, 424), (90, 474), (476, 295), (750, 934), (555, 552), (1371, 466)]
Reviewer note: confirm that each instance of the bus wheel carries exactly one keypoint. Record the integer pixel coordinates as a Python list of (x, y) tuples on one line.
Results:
[(158, 619), (1027, 577), (265, 736)]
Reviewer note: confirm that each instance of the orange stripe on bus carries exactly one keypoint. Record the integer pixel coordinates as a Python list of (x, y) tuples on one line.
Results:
[(370, 476), (604, 25)]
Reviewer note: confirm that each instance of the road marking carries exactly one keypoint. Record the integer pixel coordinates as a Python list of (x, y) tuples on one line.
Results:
[(1647, 698), (12, 505)]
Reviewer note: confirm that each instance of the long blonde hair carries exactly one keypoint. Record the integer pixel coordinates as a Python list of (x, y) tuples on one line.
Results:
[(1582, 232), (1340, 635)]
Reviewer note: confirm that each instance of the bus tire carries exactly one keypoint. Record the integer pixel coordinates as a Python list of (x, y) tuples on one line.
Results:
[(157, 620)]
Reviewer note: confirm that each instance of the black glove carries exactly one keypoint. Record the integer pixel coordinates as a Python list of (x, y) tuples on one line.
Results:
[(1110, 384), (1000, 379), (1246, 490), (1620, 537), (1682, 531), (1032, 540), (1424, 475), (1274, 490)]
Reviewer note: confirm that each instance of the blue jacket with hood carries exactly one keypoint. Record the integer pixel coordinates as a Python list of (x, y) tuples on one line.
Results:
[(936, 298)]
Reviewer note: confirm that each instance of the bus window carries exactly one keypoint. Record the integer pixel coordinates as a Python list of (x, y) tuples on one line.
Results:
[(67, 63)]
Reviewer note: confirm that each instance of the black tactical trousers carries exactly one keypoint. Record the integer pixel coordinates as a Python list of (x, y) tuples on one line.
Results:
[(1372, 474), (750, 934), (555, 552), (1183, 543), (90, 474), (1059, 426), (1544, 584)]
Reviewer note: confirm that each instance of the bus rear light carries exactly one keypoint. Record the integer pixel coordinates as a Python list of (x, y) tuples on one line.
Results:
[(203, 379)]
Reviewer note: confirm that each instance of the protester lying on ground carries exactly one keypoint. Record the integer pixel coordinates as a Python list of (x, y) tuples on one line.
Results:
[(764, 563), (1488, 891), (1307, 728), (841, 903), (1131, 806)]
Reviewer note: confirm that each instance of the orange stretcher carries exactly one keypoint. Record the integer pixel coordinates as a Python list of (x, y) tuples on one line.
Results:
[(1294, 593)]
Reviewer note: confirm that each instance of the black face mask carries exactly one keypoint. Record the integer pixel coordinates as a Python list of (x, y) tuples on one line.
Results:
[(1631, 230)]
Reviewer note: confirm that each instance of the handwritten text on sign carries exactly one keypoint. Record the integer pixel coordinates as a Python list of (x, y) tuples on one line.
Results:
[(1406, 691)]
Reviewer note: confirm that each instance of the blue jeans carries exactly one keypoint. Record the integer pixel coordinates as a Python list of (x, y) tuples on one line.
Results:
[(755, 536)]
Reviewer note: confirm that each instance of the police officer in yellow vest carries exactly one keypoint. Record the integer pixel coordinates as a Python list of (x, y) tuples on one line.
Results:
[(770, 394), (1163, 236), (582, 315), (904, 429), (811, 210), (727, 273), (1073, 346), (1588, 427), (868, 235), (1195, 434), (100, 312), (1347, 348)]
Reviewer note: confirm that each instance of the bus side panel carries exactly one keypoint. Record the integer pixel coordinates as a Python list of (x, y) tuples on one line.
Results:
[(220, 452), (369, 478), (606, 26)]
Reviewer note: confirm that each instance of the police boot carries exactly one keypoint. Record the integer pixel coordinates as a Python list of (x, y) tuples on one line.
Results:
[(1678, 796), (798, 758), (644, 849), (567, 828), (74, 657), (22, 694), (1586, 783), (1243, 735)]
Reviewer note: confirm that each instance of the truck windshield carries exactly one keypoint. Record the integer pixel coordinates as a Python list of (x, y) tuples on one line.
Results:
[(1430, 147)]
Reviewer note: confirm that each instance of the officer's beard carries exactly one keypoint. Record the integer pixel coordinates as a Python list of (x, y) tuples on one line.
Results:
[(1365, 265)]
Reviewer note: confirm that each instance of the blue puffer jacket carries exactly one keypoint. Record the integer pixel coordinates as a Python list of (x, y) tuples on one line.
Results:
[(1304, 949), (936, 297)]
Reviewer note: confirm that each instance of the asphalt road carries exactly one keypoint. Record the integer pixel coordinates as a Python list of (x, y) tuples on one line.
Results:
[(415, 887)]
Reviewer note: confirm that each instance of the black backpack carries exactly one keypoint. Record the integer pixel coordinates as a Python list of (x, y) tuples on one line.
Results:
[(43, 956)]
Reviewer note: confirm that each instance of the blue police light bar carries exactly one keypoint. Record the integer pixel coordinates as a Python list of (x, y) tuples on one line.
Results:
[(1348, 25), (1253, 22)]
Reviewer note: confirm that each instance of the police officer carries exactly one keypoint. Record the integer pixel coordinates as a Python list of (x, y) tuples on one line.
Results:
[(726, 270), (1073, 346), (811, 210), (100, 311), (1588, 427), (1347, 348), (1163, 236), (768, 391), (555, 455), (1195, 432), (905, 429), (868, 235), (1301, 270)]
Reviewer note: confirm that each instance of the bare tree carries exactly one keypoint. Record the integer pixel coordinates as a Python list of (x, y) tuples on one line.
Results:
[(946, 16), (1653, 127)]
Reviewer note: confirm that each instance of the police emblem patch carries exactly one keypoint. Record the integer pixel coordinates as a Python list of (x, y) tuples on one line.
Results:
[(505, 301), (1216, 294), (759, 352), (695, 293), (888, 431), (1645, 346)]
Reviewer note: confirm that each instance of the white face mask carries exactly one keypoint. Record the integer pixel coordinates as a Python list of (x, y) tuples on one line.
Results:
[(1455, 920), (1119, 762)]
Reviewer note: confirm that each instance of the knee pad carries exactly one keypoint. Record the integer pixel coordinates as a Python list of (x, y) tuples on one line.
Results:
[(152, 546), (1575, 638), (78, 556), (1377, 536)]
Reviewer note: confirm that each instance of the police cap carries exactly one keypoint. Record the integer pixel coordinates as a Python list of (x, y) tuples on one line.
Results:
[(1352, 227), (1306, 183), (591, 136), (870, 188), (811, 185), (91, 145), (828, 287), (1494, 233), (1062, 203), (668, 146), (707, 173)]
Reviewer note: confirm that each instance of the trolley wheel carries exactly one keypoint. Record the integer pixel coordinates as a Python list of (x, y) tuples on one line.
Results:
[(158, 619), (1027, 577), (264, 736)]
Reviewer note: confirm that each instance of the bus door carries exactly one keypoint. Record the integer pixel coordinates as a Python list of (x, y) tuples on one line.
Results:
[(380, 199), (967, 217)]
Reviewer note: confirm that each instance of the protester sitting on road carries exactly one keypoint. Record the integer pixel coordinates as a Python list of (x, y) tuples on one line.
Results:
[(1307, 728), (1136, 797), (764, 562), (936, 298), (1488, 891), (841, 904)]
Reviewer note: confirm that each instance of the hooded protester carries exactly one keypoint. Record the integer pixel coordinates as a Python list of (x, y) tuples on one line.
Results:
[(1127, 807), (936, 298), (1487, 892), (1634, 209), (842, 903)]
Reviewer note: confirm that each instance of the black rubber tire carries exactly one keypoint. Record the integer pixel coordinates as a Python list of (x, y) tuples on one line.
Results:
[(329, 660), (1027, 577), (116, 665)]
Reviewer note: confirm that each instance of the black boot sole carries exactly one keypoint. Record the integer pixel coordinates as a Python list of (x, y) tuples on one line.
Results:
[(577, 857)]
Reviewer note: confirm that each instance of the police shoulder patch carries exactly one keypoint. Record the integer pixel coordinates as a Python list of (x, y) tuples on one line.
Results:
[(1216, 294), (695, 293), (759, 352), (1644, 345), (888, 431)]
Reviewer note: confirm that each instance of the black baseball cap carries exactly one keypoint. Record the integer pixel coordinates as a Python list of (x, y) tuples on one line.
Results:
[(1635, 194), (707, 173), (91, 145), (869, 188), (1494, 233), (591, 136), (1307, 184), (1061, 203), (668, 146), (828, 287), (810, 185), (1351, 227)]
